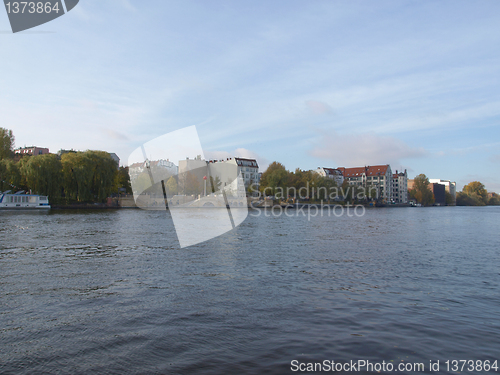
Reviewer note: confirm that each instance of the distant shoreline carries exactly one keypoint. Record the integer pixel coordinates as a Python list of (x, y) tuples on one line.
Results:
[(88, 207), (277, 206)]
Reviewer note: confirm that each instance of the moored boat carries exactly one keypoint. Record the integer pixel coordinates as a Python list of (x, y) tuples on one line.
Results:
[(20, 200)]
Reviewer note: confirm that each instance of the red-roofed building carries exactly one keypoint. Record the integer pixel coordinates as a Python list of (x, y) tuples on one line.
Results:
[(373, 176)]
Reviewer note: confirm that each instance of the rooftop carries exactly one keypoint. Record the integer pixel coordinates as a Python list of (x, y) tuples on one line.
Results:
[(371, 170)]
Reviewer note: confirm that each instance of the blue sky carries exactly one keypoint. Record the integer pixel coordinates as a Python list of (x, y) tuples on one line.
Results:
[(307, 83)]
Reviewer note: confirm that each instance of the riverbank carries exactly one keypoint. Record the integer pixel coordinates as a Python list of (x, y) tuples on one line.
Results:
[(103, 206), (128, 202), (88, 207)]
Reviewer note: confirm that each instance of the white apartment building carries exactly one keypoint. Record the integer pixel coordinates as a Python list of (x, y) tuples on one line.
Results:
[(400, 187), (163, 168), (247, 168), (331, 173)]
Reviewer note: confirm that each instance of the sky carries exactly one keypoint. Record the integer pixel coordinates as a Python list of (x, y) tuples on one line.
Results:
[(307, 83)]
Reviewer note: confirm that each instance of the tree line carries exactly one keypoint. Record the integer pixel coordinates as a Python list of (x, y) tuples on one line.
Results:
[(92, 176), (74, 177), (277, 181), (475, 194), (472, 194)]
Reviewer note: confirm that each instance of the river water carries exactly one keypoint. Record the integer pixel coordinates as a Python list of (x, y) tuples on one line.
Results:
[(111, 292)]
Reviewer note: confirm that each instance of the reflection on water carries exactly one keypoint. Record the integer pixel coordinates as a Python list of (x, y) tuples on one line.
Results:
[(112, 292)]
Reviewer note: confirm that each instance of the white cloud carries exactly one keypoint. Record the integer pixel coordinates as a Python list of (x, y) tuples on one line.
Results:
[(127, 5), (363, 149), (318, 107), (462, 151), (116, 135), (495, 158), (447, 118)]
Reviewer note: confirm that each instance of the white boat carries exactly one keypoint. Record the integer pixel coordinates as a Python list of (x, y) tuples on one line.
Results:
[(20, 200)]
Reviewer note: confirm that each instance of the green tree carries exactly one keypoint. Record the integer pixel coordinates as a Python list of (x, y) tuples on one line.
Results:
[(494, 200), (6, 143), (421, 190), (171, 186), (472, 199), (346, 190), (294, 180), (104, 171), (88, 176), (76, 177), (449, 198), (302, 182), (4, 177), (10, 177), (477, 191), (274, 179), (43, 175), (464, 199), (122, 181), (322, 187)]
